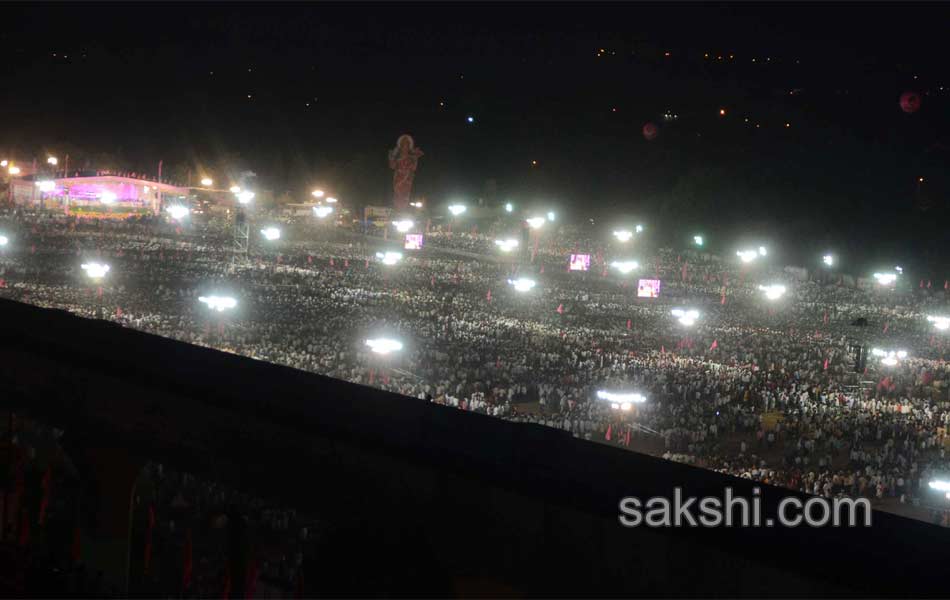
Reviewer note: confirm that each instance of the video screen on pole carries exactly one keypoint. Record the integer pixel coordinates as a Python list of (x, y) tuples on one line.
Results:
[(648, 288), (580, 262), (413, 241)]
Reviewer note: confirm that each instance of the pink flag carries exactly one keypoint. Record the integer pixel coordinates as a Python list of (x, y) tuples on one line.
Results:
[(628, 323), (826, 364), (662, 350), (928, 284), (331, 261), (309, 259), (488, 296), (542, 269), (683, 274), (367, 263), (886, 326), (560, 309), (714, 345), (921, 283), (346, 263), (825, 318), (432, 281), (608, 432), (723, 299)]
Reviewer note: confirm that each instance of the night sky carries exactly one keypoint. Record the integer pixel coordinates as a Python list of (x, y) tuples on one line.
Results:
[(813, 151)]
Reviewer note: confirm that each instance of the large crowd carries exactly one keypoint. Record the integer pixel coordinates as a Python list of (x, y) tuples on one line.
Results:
[(759, 389)]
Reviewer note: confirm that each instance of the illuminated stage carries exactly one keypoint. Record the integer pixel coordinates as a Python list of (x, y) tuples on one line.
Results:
[(97, 196)]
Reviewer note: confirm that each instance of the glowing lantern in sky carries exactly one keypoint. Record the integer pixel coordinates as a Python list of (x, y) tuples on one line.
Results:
[(650, 131), (910, 102)]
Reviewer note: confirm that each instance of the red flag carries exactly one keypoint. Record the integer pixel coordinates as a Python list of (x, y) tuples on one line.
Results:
[(187, 567), (118, 311), (628, 323), (251, 585), (714, 345), (24, 528), (886, 326), (148, 538), (560, 309), (825, 318), (44, 502), (226, 585), (372, 376), (331, 261), (309, 259), (608, 432), (683, 274), (928, 284), (826, 364), (662, 350), (921, 283), (76, 552), (432, 281), (723, 299), (488, 296)]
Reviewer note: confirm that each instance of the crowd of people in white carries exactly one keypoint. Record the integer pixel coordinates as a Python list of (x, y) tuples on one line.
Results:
[(759, 389)]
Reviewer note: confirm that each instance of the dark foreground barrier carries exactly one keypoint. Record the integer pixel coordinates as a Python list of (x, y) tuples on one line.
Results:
[(425, 500)]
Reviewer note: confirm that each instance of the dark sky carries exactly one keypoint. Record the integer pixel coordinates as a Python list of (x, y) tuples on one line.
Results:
[(332, 86)]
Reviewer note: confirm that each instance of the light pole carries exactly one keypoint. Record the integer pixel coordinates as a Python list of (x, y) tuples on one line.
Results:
[(96, 271)]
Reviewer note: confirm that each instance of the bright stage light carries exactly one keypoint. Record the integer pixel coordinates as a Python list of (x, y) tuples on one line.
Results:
[(14, 170), (245, 196), (457, 209), (773, 292), (4, 240), (941, 323), (107, 197), (403, 226), (178, 212), (939, 485), (389, 258), (332, 200), (885, 278), (509, 207), (639, 228), (762, 251), (686, 317), (828, 259), (384, 345), (235, 189), (321, 212), (52, 160), (535, 222), (507, 245), (522, 284), (551, 216), (46, 186), (621, 400), (747, 256), (412, 204), (4, 163), (623, 235), (898, 269), (271, 233), (889, 358), (698, 240), (317, 193), (625, 266), (218, 303), (95, 270)]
